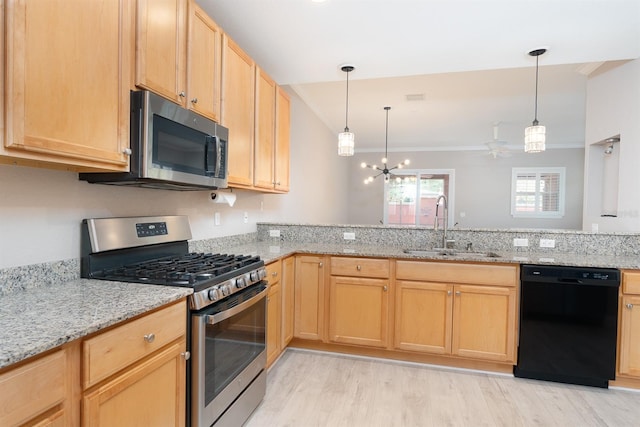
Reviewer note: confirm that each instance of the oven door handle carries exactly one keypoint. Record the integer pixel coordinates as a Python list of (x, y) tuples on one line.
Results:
[(218, 317)]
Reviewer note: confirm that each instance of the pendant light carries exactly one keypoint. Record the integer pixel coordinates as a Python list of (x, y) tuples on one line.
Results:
[(385, 170), (534, 135), (346, 139)]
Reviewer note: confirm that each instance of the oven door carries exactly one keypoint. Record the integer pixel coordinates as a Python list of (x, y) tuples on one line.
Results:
[(229, 352)]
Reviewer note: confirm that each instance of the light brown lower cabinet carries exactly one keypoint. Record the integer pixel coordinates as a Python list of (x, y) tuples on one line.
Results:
[(288, 298), (309, 297), (151, 393), (274, 311), (476, 321), (629, 342), (38, 392), (133, 374)]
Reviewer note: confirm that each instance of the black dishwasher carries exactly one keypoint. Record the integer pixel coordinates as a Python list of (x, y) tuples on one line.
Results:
[(568, 324)]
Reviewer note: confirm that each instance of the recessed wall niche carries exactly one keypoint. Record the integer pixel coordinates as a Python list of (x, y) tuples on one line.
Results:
[(604, 171)]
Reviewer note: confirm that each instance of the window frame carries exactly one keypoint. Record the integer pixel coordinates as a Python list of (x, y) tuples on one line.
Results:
[(538, 171), (417, 173)]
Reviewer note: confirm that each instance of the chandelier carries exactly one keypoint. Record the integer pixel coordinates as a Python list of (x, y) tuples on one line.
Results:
[(385, 170), (534, 135)]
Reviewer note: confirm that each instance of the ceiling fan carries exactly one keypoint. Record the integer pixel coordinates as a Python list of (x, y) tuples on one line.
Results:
[(497, 147)]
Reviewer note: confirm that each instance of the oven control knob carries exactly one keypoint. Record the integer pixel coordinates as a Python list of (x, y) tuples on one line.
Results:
[(227, 289), (262, 273), (213, 294), (254, 276), (240, 282)]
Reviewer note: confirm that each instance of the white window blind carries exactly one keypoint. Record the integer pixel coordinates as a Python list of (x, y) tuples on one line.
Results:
[(537, 192)]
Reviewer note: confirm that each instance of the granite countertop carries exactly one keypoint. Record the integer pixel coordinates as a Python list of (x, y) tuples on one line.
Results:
[(270, 251), (39, 319)]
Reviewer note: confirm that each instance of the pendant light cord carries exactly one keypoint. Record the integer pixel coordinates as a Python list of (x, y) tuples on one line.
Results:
[(346, 114), (535, 118)]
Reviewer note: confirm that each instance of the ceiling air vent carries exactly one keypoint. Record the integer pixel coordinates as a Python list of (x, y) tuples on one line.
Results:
[(415, 97)]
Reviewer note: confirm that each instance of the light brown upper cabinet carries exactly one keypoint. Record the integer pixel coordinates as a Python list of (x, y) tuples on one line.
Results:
[(238, 78), (67, 80), (264, 176), (283, 144), (161, 35), (178, 54)]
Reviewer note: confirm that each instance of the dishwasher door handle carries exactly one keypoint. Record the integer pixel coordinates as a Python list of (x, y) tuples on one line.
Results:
[(570, 280)]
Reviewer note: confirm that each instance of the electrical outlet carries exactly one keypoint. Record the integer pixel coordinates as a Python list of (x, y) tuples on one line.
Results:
[(274, 233), (246, 217), (349, 236), (216, 218), (520, 242), (547, 243)]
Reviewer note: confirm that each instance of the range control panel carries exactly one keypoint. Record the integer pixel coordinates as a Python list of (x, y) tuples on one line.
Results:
[(148, 229)]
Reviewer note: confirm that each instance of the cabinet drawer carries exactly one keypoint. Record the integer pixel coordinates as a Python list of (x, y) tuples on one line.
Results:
[(631, 282), (32, 388), (274, 272), (477, 274), (359, 267), (116, 349)]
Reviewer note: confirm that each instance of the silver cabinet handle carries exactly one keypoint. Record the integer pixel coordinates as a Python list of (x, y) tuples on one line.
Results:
[(384, 288), (449, 293), (149, 338), (629, 305), (320, 265), (194, 101), (358, 268), (186, 355), (127, 151), (182, 94), (274, 274), (457, 292)]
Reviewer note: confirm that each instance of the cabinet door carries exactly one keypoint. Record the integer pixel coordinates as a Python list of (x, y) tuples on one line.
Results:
[(423, 317), (204, 59), (36, 388), (274, 309), (161, 33), (238, 76), (484, 322), (283, 144), (67, 82), (287, 289), (358, 311), (630, 336), (309, 297), (265, 114), (151, 393)]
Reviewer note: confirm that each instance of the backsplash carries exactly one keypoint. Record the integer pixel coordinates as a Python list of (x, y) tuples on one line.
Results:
[(565, 241)]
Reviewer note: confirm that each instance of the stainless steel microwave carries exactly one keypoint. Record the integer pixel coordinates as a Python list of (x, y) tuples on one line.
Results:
[(172, 148)]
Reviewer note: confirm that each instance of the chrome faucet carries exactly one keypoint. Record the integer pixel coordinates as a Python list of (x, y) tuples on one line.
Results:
[(446, 244)]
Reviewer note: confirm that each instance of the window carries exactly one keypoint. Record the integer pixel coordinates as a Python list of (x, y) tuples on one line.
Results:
[(537, 192), (412, 200)]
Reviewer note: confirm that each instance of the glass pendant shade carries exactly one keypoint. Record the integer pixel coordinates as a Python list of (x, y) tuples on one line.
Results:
[(534, 139), (346, 143)]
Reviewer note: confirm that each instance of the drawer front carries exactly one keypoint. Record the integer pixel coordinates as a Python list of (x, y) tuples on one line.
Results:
[(477, 274), (274, 272), (359, 267), (118, 348), (32, 388), (631, 282)]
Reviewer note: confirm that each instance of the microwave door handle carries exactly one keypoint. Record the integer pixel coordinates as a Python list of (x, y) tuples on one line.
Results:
[(207, 161), (218, 157)]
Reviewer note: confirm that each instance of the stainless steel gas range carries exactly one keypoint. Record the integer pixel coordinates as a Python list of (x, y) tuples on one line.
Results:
[(227, 311)]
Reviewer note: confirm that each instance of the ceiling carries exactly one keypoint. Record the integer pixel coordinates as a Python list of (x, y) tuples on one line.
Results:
[(467, 59)]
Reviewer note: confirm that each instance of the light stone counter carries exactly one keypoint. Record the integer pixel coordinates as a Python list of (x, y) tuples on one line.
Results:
[(38, 319), (270, 251)]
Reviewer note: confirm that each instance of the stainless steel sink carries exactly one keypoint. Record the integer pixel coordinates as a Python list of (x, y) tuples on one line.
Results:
[(450, 253)]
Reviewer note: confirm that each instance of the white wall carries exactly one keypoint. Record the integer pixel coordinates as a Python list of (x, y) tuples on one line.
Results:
[(482, 186), (613, 108), (41, 209)]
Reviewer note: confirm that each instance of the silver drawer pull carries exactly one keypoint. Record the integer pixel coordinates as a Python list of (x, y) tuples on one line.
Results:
[(629, 305), (358, 268), (186, 355), (149, 338)]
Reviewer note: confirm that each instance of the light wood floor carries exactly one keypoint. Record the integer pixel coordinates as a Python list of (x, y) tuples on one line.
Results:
[(308, 388)]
